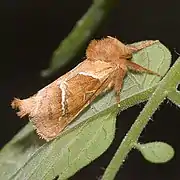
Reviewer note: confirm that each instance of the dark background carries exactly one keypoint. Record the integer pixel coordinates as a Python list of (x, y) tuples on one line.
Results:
[(31, 30)]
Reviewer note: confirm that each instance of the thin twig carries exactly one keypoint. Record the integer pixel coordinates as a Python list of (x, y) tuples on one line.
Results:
[(79, 36)]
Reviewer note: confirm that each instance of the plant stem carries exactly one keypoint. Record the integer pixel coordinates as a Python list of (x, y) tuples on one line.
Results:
[(79, 35), (175, 97), (166, 86)]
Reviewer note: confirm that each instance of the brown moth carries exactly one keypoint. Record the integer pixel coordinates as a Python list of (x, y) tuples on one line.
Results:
[(55, 106)]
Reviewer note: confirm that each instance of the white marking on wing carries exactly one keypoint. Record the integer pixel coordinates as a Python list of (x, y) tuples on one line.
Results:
[(88, 74), (63, 87)]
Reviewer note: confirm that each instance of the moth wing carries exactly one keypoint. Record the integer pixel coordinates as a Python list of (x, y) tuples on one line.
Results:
[(47, 113), (82, 90), (46, 109)]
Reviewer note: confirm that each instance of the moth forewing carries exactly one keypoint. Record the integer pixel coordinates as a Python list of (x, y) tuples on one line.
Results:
[(58, 106)]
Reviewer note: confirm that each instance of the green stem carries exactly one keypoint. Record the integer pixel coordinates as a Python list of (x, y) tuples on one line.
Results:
[(79, 35), (174, 96), (166, 86)]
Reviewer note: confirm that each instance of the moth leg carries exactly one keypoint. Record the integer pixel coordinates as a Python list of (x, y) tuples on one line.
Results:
[(141, 46), (136, 67), (118, 82), (109, 86)]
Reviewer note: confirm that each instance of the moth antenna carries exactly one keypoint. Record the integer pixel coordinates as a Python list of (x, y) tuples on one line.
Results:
[(141, 46), (176, 52), (112, 38)]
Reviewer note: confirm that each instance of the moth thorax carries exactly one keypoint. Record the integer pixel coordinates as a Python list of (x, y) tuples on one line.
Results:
[(107, 50)]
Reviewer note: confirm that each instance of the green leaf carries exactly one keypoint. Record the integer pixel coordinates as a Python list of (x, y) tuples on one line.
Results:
[(27, 157), (64, 155), (156, 152)]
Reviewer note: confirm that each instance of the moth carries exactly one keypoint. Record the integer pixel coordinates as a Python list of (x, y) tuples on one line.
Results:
[(55, 106)]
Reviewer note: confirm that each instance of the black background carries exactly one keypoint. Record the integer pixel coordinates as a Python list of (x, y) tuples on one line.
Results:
[(31, 30)]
